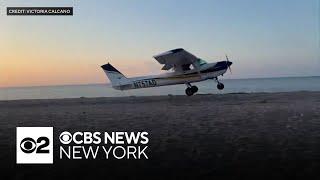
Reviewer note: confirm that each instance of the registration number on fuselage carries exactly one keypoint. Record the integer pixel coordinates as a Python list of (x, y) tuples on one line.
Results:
[(145, 83)]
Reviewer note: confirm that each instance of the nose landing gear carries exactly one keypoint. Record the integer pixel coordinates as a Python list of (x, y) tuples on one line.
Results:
[(220, 86), (191, 89)]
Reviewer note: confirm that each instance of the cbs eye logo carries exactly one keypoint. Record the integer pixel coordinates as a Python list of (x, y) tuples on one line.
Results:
[(34, 145), (29, 145), (65, 137)]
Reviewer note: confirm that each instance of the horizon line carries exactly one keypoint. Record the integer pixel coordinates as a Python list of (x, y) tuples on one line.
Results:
[(86, 84)]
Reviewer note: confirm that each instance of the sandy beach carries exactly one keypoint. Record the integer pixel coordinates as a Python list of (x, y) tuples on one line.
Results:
[(260, 135)]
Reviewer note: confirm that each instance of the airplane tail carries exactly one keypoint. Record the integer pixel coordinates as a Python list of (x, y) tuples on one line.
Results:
[(115, 76)]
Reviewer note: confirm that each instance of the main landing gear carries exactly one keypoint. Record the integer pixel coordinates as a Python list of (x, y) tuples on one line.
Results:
[(191, 89), (220, 86)]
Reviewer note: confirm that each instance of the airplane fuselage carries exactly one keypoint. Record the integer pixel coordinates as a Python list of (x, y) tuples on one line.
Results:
[(206, 71)]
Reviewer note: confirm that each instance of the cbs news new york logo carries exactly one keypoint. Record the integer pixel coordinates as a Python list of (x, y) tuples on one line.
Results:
[(34, 145)]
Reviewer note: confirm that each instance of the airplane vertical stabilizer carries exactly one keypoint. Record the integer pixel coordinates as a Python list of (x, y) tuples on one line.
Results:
[(115, 76)]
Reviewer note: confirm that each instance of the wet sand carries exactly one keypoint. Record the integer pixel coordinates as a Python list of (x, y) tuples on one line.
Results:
[(258, 135)]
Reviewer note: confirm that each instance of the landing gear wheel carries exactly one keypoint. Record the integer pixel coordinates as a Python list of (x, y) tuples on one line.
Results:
[(189, 92), (194, 89), (220, 86)]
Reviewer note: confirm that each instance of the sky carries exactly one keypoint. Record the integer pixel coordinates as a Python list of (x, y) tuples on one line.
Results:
[(262, 38)]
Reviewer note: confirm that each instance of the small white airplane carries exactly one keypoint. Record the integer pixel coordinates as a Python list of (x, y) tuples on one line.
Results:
[(187, 69)]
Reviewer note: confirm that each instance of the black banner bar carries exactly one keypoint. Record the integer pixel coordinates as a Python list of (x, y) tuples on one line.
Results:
[(39, 11)]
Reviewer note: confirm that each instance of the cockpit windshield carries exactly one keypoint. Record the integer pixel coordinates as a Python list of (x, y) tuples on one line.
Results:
[(202, 62)]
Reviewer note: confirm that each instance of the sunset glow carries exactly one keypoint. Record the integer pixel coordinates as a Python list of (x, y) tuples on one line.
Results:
[(69, 50)]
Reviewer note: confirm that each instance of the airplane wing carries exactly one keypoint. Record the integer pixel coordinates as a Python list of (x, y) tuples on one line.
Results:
[(178, 59)]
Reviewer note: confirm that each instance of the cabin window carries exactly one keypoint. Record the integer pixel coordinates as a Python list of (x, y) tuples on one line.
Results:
[(186, 67)]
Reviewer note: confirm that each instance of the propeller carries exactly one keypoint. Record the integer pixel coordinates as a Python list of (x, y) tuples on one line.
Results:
[(228, 64)]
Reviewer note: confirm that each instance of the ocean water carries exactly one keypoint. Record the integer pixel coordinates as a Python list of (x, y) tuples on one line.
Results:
[(286, 84)]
